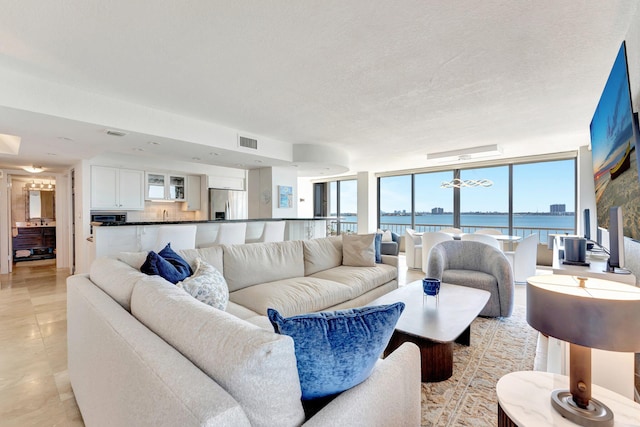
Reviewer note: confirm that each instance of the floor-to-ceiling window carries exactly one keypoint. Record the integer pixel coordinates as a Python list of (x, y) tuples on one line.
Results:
[(494, 197), (395, 203), (341, 203), (544, 198), (484, 199), (348, 214), (433, 201)]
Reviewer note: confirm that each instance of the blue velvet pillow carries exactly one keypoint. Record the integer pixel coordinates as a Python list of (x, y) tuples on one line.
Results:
[(176, 260), (377, 243), (157, 265), (337, 350)]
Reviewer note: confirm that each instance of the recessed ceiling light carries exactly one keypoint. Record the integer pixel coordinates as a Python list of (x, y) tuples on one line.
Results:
[(138, 149), (214, 154), (196, 158), (51, 154), (64, 138), (114, 132), (153, 143), (258, 161)]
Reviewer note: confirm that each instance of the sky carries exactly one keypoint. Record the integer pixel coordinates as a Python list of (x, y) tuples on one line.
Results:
[(536, 187)]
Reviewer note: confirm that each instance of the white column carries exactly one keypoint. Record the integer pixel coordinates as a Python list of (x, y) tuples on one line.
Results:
[(367, 203)]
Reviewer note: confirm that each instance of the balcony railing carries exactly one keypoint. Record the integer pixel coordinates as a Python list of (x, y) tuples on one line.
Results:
[(542, 232)]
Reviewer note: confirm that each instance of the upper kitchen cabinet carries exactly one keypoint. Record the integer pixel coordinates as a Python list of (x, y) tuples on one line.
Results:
[(225, 182), (117, 189), (165, 186), (194, 193)]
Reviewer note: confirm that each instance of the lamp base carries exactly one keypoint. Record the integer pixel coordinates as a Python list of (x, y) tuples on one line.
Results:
[(597, 414)]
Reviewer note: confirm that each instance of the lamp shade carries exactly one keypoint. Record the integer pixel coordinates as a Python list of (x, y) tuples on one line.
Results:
[(600, 314)]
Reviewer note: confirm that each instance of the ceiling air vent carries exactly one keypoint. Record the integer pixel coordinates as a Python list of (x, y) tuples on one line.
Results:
[(243, 141), (114, 132)]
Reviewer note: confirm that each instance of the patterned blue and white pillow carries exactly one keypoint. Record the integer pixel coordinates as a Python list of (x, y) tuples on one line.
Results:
[(207, 285)]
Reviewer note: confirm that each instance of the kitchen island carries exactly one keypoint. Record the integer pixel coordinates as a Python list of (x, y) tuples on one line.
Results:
[(111, 238)]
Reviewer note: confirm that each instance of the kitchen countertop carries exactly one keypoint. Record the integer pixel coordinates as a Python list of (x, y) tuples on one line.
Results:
[(217, 221)]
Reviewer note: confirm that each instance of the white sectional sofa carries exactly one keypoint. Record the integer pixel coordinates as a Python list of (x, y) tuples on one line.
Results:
[(142, 351)]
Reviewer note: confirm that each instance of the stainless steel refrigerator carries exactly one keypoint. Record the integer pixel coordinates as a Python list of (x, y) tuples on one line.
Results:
[(227, 204)]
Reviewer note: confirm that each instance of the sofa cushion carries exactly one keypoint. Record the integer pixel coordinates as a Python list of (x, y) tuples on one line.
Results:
[(292, 296), (212, 255), (251, 264), (155, 265), (239, 311), (115, 278), (337, 350), (257, 367), (360, 279), (134, 259), (322, 254), (207, 285), (358, 250)]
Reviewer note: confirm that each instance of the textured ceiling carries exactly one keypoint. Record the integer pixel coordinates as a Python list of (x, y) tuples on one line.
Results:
[(386, 81)]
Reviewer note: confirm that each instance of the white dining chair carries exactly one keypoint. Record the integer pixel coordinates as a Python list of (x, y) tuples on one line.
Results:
[(413, 249), (231, 233), (483, 238), (180, 237), (523, 259), (273, 231), (429, 240)]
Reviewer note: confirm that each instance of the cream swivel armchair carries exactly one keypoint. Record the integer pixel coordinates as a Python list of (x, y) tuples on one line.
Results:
[(180, 237), (429, 240), (523, 259), (413, 249), (477, 265), (231, 233), (273, 231), (487, 239)]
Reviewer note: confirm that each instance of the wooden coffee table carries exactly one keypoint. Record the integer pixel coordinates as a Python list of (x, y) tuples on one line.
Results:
[(434, 328)]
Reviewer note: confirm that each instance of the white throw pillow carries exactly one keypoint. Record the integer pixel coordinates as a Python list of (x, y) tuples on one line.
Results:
[(386, 236), (207, 285), (358, 250)]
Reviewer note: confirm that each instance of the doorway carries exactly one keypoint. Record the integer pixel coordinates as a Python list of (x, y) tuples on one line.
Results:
[(32, 220)]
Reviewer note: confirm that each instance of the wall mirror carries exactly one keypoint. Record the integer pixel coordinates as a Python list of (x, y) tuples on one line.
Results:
[(40, 204)]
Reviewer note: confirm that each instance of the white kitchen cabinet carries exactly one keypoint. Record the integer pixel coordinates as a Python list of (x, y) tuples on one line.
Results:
[(165, 186), (116, 189), (194, 193), (225, 182)]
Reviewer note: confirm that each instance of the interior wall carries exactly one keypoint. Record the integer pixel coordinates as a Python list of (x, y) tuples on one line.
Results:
[(284, 177), (305, 198)]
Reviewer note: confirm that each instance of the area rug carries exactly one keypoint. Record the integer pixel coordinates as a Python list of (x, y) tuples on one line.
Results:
[(468, 398)]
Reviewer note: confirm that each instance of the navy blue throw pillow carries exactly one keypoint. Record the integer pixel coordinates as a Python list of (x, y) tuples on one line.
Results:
[(155, 265), (337, 350), (176, 260), (377, 243)]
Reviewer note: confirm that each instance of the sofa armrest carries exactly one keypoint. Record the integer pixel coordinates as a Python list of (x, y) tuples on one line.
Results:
[(390, 260), (390, 396)]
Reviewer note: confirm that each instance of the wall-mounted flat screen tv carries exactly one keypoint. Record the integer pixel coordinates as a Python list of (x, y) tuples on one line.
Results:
[(614, 135)]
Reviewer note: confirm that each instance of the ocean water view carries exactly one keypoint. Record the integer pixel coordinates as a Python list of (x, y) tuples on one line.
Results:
[(523, 224)]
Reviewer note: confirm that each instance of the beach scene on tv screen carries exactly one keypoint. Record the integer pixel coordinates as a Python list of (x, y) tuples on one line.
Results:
[(613, 148)]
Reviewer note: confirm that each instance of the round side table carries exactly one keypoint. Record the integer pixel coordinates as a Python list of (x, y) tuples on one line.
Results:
[(524, 400)]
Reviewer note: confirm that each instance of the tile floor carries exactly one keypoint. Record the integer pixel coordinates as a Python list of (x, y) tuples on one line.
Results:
[(34, 381), (34, 384)]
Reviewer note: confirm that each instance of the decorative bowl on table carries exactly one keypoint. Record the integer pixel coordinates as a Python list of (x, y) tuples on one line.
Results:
[(431, 287)]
